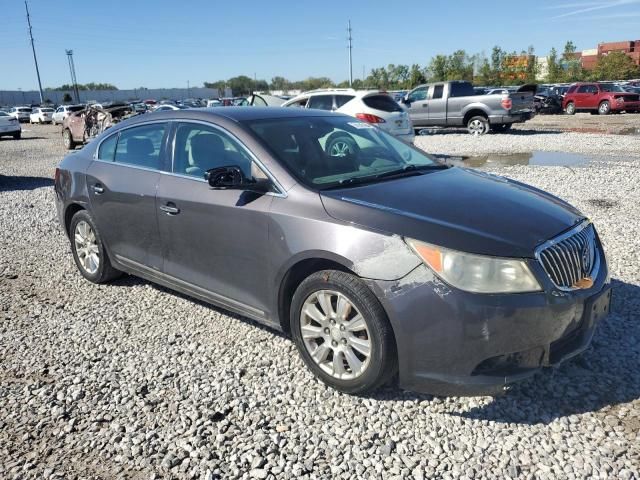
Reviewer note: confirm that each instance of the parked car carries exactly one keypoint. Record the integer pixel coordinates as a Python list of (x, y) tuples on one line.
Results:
[(20, 113), (368, 261), (455, 104), (63, 111), (9, 126), (169, 107), (602, 98), (214, 103), (371, 106), (41, 115), (81, 126), (261, 100)]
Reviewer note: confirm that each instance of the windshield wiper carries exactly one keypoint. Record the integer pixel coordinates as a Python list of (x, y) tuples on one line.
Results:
[(407, 170)]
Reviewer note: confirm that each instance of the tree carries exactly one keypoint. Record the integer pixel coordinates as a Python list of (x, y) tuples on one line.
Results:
[(220, 84), (279, 83), (416, 76), (554, 70), (571, 64), (615, 66), (438, 67), (66, 98), (458, 66)]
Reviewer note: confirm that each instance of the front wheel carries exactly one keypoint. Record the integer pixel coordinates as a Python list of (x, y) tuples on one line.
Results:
[(478, 125), (604, 108), (67, 139), (571, 108), (17, 135), (342, 332), (88, 250)]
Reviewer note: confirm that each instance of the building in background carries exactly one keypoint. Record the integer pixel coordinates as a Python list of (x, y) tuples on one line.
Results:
[(631, 48)]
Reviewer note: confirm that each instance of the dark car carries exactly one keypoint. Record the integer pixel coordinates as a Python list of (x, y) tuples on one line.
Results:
[(602, 98), (365, 258)]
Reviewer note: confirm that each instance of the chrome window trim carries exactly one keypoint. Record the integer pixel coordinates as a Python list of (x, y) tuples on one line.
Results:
[(595, 269), (281, 191)]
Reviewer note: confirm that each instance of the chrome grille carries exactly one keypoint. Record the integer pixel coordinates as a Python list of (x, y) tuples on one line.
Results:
[(570, 257)]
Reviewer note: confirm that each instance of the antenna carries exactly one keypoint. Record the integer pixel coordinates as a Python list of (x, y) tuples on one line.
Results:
[(72, 70), (33, 48), (350, 60)]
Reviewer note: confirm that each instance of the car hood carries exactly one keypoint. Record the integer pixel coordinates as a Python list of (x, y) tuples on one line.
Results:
[(457, 208)]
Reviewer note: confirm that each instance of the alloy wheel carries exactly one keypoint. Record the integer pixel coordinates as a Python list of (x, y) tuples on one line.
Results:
[(87, 249), (340, 149), (335, 334), (476, 127)]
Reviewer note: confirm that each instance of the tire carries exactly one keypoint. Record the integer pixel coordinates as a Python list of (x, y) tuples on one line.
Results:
[(571, 108), (478, 125), (67, 139), (604, 108), (505, 127), (348, 369), (85, 252), (17, 135), (341, 145)]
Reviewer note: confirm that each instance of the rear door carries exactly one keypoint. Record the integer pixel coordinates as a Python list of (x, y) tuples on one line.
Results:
[(122, 184), (214, 241), (580, 96), (437, 105)]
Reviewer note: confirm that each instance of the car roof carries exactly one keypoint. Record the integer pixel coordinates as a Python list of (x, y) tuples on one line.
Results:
[(240, 114)]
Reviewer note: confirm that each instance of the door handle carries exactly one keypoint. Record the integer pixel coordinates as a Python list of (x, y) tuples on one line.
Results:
[(170, 209), (98, 189)]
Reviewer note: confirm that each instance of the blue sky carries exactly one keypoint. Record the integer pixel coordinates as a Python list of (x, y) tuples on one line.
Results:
[(162, 43)]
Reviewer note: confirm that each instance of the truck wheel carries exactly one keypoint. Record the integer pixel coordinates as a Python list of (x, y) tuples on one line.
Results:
[(604, 108), (67, 139), (571, 108), (501, 128), (478, 125)]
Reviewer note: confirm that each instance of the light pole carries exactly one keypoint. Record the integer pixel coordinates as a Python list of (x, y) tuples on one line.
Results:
[(350, 60), (72, 70), (33, 48)]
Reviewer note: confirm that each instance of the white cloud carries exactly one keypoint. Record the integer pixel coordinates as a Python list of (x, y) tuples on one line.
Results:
[(593, 7)]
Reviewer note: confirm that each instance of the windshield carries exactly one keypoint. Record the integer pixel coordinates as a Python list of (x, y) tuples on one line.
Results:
[(611, 88), (327, 152)]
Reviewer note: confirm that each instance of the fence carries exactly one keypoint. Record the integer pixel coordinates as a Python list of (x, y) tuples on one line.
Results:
[(18, 97)]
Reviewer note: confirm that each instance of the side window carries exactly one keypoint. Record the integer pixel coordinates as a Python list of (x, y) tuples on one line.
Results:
[(107, 148), (584, 89), (321, 102), (418, 94), (141, 145), (59, 110), (342, 99), (437, 91), (593, 89), (299, 104), (199, 148)]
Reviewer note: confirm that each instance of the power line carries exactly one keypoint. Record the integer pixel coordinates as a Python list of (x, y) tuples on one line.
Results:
[(350, 59), (33, 48), (72, 70)]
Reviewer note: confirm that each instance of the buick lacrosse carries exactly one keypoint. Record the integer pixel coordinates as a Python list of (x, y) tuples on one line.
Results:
[(376, 258)]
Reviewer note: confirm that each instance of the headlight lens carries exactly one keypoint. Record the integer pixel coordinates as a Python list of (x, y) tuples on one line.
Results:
[(477, 273)]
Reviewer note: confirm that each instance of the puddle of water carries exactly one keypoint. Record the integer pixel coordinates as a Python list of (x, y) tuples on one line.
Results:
[(548, 159)]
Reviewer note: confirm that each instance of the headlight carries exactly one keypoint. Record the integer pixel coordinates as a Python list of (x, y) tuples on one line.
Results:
[(477, 273)]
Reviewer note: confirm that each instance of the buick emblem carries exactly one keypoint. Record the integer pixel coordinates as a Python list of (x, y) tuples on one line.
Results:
[(587, 259)]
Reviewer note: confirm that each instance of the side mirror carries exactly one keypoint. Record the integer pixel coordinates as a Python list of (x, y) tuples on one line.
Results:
[(232, 178)]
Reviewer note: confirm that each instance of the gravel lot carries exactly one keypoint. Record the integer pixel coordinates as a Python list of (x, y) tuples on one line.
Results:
[(129, 380)]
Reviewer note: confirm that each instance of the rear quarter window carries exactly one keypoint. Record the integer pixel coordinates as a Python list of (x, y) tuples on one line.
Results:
[(107, 148), (382, 102), (461, 89), (343, 99)]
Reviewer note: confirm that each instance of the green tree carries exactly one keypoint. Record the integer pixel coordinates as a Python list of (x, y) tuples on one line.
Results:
[(220, 84), (66, 98), (279, 83), (438, 68), (459, 67), (554, 69), (571, 64), (416, 76), (615, 66)]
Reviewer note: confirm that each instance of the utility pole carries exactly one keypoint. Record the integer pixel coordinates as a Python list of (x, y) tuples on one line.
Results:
[(33, 48), (350, 60), (188, 90), (72, 70)]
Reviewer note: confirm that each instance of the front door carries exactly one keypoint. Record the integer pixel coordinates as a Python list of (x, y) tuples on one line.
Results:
[(418, 106), (122, 186), (215, 240)]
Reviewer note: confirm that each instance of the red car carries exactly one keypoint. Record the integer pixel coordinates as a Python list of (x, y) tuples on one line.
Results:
[(603, 98)]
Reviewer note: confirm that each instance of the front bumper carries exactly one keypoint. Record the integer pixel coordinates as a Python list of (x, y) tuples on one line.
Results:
[(625, 106), (453, 342)]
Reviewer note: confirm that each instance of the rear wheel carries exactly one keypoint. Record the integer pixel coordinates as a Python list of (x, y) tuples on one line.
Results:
[(342, 332), (604, 108), (88, 250), (67, 139), (571, 108), (478, 125), (17, 135)]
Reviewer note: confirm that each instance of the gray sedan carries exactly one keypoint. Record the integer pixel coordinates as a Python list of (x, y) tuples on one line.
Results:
[(377, 259)]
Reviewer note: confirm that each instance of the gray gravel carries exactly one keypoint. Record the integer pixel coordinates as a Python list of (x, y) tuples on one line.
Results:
[(129, 380), (520, 140)]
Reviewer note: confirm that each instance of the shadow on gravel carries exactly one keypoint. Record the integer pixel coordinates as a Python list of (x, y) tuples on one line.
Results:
[(12, 183), (21, 139), (603, 376)]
